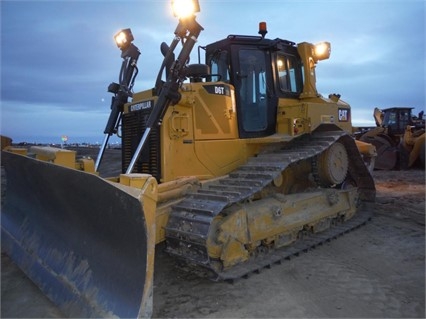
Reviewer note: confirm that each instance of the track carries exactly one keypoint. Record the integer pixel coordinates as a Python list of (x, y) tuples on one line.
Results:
[(190, 220)]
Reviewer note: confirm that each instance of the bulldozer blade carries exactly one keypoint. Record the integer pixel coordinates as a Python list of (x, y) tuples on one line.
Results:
[(83, 240)]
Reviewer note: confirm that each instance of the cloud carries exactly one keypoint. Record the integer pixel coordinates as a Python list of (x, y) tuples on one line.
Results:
[(58, 57)]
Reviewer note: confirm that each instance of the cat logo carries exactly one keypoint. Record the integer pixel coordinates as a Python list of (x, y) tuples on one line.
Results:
[(344, 115)]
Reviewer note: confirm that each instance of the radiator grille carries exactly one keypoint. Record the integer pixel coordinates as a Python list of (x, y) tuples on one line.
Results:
[(133, 127)]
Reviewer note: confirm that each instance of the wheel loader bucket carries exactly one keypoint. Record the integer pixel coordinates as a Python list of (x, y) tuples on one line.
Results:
[(86, 242), (387, 153)]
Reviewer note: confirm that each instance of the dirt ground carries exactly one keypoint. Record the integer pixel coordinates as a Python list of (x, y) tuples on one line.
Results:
[(376, 271)]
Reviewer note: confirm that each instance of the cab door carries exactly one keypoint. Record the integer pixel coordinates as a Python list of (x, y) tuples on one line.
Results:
[(252, 78)]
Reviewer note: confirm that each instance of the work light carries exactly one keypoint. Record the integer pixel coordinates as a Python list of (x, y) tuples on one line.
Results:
[(124, 38), (322, 51), (185, 8)]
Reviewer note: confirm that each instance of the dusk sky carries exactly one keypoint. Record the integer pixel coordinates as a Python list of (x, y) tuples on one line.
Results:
[(58, 57)]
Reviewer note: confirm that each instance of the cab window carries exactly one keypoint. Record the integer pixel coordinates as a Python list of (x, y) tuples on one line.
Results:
[(219, 66), (287, 74)]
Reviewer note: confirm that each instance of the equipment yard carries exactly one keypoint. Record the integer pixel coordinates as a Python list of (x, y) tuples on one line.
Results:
[(239, 190), (376, 271)]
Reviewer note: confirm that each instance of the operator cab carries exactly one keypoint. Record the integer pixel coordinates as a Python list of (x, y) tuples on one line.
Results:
[(262, 71), (396, 119)]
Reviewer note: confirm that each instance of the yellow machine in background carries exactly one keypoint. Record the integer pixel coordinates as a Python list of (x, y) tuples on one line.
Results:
[(5, 142), (235, 164), (399, 138)]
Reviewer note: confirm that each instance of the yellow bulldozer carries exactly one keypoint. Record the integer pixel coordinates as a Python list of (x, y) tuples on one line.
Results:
[(235, 163), (399, 138)]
